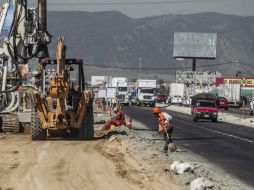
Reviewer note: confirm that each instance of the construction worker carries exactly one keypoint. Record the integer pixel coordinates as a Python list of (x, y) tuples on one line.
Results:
[(251, 106), (117, 120), (165, 126)]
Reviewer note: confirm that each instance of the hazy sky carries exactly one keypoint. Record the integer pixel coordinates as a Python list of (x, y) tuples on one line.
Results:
[(156, 7)]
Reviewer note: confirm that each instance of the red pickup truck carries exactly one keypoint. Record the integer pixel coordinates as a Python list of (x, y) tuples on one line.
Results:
[(204, 107)]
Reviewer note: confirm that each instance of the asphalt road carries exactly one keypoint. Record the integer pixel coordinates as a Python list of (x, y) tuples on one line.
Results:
[(229, 146)]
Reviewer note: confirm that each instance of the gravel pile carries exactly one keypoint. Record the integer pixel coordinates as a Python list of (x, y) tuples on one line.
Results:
[(143, 146), (200, 173)]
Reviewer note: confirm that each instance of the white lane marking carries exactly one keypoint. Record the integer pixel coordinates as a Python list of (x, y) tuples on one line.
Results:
[(218, 132)]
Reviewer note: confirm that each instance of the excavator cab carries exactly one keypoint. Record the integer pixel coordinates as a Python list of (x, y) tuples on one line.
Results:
[(76, 83)]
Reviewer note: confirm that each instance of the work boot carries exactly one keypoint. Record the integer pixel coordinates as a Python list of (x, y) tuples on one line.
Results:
[(172, 147), (165, 152), (165, 148)]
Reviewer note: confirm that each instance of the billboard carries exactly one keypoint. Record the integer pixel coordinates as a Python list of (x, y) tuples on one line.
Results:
[(244, 82), (195, 45), (101, 80)]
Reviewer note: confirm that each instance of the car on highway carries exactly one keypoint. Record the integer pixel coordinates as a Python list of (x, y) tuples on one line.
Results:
[(204, 109), (187, 101), (176, 100), (162, 98), (223, 103)]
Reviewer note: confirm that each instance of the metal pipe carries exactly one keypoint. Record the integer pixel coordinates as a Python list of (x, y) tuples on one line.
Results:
[(43, 88), (42, 27), (42, 7), (4, 14), (11, 104), (17, 100), (5, 70)]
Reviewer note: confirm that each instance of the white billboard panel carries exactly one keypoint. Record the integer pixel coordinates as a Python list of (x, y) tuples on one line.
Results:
[(142, 83), (195, 45), (100, 80)]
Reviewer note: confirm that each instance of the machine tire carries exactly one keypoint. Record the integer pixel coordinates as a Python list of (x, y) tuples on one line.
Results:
[(152, 105), (214, 120), (1, 124), (86, 131), (195, 119), (37, 132), (126, 104), (226, 108)]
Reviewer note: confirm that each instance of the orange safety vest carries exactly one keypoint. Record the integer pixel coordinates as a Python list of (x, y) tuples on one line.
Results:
[(163, 126), (120, 119)]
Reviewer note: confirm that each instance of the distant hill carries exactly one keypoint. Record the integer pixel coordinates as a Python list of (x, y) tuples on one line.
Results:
[(111, 39)]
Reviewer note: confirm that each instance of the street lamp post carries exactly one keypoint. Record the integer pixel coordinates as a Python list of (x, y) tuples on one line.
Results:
[(140, 65)]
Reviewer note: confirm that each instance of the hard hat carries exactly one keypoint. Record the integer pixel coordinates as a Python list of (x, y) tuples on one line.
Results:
[(156, 110)]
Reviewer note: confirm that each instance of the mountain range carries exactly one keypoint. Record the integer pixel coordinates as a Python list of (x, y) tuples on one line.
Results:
[(113, 40)]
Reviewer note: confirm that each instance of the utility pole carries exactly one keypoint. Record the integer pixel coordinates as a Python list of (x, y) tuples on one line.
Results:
[(140, 65), (237, 66)]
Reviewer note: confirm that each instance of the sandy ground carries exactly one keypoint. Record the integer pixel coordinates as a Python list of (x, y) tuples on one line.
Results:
[(70, 164), (124, 160)]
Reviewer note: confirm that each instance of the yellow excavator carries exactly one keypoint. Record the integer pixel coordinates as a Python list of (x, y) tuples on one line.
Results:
[(63, 104)]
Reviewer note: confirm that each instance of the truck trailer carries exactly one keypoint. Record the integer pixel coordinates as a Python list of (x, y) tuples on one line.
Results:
[(176, 93), (145, 92), (121, 85), (232, 93)]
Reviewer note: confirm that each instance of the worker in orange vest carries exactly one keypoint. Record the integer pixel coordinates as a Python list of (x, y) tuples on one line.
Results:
[(165, 126), (117, 120)]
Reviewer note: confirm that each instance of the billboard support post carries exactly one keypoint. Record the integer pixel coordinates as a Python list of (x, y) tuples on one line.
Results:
[(194, 62)]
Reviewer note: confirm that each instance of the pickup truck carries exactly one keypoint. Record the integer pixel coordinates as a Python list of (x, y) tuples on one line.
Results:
[(204, 109)]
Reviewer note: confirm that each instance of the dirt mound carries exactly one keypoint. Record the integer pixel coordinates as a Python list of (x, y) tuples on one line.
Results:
[(66, 164)]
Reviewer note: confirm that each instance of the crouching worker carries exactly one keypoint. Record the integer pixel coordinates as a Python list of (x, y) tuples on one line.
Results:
[(117, 120), (165, 126)]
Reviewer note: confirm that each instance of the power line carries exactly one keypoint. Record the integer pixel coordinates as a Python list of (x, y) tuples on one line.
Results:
[(133, 3), (248, 64), (163, 68)]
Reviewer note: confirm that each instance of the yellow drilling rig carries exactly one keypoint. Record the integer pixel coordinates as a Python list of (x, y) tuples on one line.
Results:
[(60, 101)]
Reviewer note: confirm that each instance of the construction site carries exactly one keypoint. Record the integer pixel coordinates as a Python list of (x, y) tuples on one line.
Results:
[(64, 127)]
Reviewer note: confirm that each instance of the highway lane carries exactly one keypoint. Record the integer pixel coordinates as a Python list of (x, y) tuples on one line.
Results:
[(238, 112), (229, 146)]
